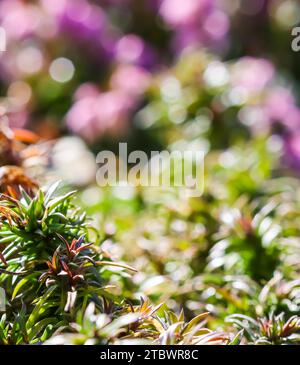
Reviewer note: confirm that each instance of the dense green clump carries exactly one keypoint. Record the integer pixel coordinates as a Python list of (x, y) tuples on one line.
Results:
[(50, 269), (221, 268)]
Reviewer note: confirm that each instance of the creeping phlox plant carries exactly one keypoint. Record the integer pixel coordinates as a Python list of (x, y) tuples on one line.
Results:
[(57, 282), (233, 252), (133, 265), (49, 268), (218, 269)]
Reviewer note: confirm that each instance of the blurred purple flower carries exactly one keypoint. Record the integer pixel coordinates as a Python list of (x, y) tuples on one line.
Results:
[(292, 151), (84, 22), (194, 22), (132, 49)]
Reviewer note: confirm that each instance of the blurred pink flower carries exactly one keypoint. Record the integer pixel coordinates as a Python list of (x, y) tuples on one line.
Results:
[(132, 80), (179, 13), (19, 19), (279, 103), (216, 25), (88, 89), (129, 48), (18, 119), (132, 49), (94, 115), (281, 107), (251, 73)]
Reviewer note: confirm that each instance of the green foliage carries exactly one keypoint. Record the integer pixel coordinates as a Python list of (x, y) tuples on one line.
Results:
[(233, 250), (222, 268), (268, 331), (49, 269)]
